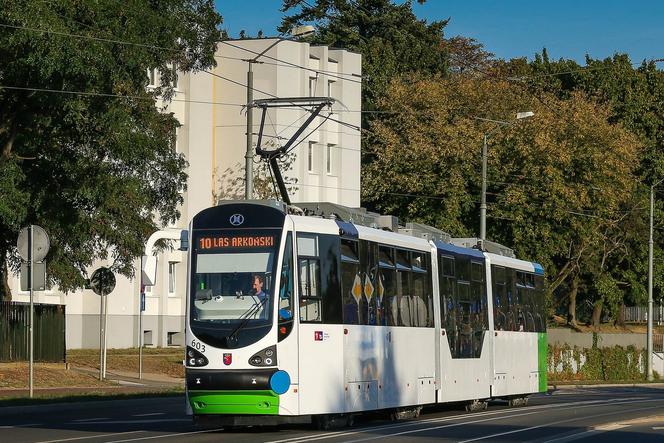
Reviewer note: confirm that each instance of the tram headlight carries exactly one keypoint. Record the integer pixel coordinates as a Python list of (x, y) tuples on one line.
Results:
[(195, 358), (264, 357)]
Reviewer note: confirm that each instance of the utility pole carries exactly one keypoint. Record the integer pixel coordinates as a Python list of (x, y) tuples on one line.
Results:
[(249, 154), (651, 244)]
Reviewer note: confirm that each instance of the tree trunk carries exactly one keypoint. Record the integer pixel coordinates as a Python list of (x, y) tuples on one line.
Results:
[(5, 291), (571, 308), (597, 314), (620, 321)]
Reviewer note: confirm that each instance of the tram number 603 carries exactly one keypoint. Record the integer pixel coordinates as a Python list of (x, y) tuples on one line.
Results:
[(198, 345)]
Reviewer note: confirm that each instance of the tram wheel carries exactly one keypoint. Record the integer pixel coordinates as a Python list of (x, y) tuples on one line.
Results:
[(322, 422)]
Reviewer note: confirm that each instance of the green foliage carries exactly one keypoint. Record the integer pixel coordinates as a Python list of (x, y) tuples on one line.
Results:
[(389, 36), (91, 166), (595, 364), (561, 185)]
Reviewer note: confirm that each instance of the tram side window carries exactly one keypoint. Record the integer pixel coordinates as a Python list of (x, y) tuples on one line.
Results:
[(351, 282), (500, 304), (422, 300), (447, 294), (540, 317), (387, 286), (369, 303), (404, 288), (318, 257), (512, 299), (479, 314)]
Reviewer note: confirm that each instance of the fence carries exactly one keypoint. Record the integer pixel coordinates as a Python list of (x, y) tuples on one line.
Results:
[(49, 332), (639, 314)]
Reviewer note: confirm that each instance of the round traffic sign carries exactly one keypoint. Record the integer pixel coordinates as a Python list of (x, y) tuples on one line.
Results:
[(102, 281), (40, 243)]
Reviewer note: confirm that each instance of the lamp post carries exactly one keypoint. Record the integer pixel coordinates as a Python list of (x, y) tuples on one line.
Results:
[(299, 31), (519, 116), (650, 272)]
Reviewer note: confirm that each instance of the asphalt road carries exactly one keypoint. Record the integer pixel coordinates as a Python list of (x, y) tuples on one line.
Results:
[(609, 414)]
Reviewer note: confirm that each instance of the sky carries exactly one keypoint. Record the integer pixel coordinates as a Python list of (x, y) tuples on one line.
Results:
[(513, 28)]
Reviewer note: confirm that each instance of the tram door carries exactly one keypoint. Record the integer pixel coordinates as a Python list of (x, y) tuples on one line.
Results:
[(320, 332), (466, 341)]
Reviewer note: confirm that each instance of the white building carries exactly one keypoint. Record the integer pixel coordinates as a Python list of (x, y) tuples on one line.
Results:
[(209, 105)]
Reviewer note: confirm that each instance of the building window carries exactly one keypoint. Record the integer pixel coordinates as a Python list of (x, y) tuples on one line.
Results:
[(171, 278), (328, 157), (310, 157), (152, 77), (175, 76), (330, 88), (312, 86), (174, 339)]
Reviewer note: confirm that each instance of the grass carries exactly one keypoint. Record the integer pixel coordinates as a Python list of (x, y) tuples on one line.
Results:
[(166, 361), (81, 370)]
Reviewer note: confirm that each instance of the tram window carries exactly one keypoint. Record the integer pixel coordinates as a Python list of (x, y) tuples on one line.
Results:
[(321, 301), (369, 303), (388, 279), (386, 289), (477, 270), (351, 282), (404, 288), (419, 300), (448, 266), (541, 305), (310, 300), (500, 303), (286, 290), (385, 257), (463, 268)]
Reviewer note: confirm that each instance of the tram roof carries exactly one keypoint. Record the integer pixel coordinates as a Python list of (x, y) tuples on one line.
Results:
[(448, 247)]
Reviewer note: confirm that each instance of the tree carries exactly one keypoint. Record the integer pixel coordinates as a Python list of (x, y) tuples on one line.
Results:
[(561, 185), (635, 98), (84, 152), (389, 36)]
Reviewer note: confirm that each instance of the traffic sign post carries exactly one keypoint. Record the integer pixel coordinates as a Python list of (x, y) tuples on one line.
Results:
[(102, 283), (33, 245)]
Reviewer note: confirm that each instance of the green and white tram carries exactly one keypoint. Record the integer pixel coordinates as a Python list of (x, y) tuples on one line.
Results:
[(292, 318)]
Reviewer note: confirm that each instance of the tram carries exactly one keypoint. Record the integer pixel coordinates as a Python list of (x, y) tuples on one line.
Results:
[(316, 312)]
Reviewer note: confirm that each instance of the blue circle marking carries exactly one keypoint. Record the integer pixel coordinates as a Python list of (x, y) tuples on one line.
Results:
[(280, 382)]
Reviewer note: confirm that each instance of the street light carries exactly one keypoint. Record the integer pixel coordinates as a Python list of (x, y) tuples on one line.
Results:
[(519, 116), (300, 31), (650, 260)]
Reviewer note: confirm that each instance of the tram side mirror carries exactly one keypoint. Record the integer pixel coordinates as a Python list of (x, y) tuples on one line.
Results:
[(204, 294)]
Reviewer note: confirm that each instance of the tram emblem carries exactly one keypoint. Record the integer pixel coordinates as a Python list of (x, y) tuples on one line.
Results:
[(236, 219), (228, 358)]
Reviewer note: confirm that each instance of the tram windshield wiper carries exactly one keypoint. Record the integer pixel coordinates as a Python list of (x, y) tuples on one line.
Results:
[(232, 337)]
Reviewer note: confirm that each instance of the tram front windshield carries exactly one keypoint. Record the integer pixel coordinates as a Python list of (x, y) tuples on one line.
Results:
[(232, 285)]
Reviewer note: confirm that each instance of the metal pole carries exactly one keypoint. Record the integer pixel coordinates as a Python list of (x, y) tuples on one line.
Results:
[(32, 316), (483, 203), (101, 336), (105, 297), (249, 155), (141, 301), (650, 260)]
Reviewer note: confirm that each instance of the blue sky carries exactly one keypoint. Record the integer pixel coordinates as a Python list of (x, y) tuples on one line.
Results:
[(514, 28)]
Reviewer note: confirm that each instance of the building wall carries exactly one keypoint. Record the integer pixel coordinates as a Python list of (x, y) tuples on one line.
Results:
[(212, 140), (298, 71)]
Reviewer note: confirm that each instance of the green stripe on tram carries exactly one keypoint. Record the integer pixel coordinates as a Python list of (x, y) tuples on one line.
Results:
[(234, 402), (542, 350)]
